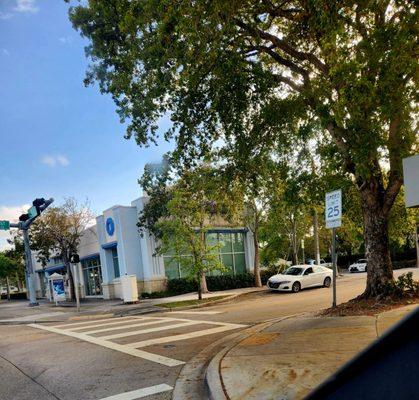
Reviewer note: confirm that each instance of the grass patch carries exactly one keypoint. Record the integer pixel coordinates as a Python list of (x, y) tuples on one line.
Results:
[(184, 303)]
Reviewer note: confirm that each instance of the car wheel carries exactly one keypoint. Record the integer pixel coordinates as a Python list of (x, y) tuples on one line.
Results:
[(296, 287), (327, 282)]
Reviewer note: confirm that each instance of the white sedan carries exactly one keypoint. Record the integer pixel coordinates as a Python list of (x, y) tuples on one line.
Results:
[(300, 277), (359, 266)]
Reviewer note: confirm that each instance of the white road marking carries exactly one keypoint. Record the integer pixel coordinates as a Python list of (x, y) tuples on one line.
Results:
[(137, 394), (94, 321), (150, 330), (131, 325), (197, 312), (184, 336), (170, 362)]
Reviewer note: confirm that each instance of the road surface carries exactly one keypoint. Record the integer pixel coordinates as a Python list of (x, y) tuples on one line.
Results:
[(137, 356)]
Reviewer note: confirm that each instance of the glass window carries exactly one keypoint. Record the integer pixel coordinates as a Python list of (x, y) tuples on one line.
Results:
[(227, 260), (92, 276), (238, 242), (212, 241), (225, 242), (171, 268), (116, 271), (239, 263)]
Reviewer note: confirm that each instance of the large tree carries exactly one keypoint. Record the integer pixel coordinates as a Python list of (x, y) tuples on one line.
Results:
[(216, 65)]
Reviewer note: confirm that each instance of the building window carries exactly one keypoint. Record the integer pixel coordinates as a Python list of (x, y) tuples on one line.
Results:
[(117, 274), (230, 250), (92, 276)]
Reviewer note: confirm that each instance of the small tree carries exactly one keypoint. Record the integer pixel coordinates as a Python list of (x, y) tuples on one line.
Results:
[(8, 267), (58, 231), (183, 231)]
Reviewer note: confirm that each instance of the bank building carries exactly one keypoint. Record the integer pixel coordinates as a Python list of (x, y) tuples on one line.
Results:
[(113, 247)]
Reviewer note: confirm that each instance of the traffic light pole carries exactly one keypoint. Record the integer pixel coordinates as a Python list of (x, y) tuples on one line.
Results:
[(334, 266), (29, 270), (24, 224)]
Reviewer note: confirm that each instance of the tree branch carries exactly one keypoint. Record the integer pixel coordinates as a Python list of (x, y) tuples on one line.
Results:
[(284, 46)]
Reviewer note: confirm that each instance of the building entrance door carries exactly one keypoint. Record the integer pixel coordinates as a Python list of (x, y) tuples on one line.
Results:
[(92, 277)]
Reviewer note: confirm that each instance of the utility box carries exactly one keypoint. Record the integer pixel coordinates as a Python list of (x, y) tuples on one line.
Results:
[(129, 288)]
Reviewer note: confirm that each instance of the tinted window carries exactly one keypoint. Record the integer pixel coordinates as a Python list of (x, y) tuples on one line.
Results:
[(308, 271), (293, 271)]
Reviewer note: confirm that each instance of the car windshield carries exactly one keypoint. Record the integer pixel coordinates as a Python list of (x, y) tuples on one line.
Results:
[(362, 260), (293, 271)]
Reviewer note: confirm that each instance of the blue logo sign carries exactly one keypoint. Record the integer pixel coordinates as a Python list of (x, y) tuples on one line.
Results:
[(110, 226)]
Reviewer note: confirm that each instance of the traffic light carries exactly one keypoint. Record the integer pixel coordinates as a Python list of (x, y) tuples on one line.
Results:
[(38, 203), (24, 217)]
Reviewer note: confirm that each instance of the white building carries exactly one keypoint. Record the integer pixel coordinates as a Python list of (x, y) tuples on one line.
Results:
[(114, 247)]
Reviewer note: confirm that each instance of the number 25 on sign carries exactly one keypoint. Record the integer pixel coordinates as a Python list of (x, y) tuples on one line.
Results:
[(334, 209)]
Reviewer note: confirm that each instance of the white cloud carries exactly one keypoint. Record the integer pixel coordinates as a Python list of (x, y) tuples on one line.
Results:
[(54, 160), (5, 52), (10, 214), (26, 6), (5, 15), (63, 160)]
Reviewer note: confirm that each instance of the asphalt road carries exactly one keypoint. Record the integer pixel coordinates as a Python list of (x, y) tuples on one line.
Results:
[(96, 360)]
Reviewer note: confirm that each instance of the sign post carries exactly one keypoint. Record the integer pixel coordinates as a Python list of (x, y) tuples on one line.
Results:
[(74, 260), (334, 220)]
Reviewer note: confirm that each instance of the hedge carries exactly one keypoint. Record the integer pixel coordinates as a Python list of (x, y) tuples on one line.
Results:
[(15, 296), (214, 283)]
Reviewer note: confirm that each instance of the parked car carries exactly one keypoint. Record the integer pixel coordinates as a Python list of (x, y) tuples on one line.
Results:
[(322, 263), (300, 277), (3, 290), (359, 266)]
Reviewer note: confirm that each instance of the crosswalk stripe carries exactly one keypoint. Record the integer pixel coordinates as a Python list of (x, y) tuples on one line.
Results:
[(94, 321), (170, 362), (119, 323), (184, 336), (132, 325), (150, 330), (137, 394)]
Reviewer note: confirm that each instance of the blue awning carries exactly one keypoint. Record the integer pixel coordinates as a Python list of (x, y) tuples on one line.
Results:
[(89, 257), (53, 269), (109, 245)]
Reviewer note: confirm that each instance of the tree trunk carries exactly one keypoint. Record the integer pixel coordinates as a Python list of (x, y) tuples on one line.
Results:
[(203, 283), (8, 287), (316, 237), (294, 243), (379, 268), (199, 285), (71, 281), (256, 260), (19, 283)]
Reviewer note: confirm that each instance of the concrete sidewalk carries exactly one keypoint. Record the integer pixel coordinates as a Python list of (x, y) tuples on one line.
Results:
[(289, 358), (17, 311)]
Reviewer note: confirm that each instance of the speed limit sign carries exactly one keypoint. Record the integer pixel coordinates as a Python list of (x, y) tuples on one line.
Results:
[(334, 209)]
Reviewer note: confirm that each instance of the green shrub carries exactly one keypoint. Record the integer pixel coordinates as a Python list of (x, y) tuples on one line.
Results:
[(181, 286), (404, 285), (225, 282), (15, 296), (154, 295)]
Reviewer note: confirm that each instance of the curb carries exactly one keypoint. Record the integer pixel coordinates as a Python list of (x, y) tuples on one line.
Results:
[(227, 300)]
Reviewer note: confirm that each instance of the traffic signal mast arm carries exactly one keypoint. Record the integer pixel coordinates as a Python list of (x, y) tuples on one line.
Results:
[(25, 221)]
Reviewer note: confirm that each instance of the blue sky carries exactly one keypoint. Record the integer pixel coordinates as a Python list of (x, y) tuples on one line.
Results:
[(58, 138)]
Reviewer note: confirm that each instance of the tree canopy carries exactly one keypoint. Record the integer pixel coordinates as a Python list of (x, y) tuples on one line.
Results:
[(242, 74)]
